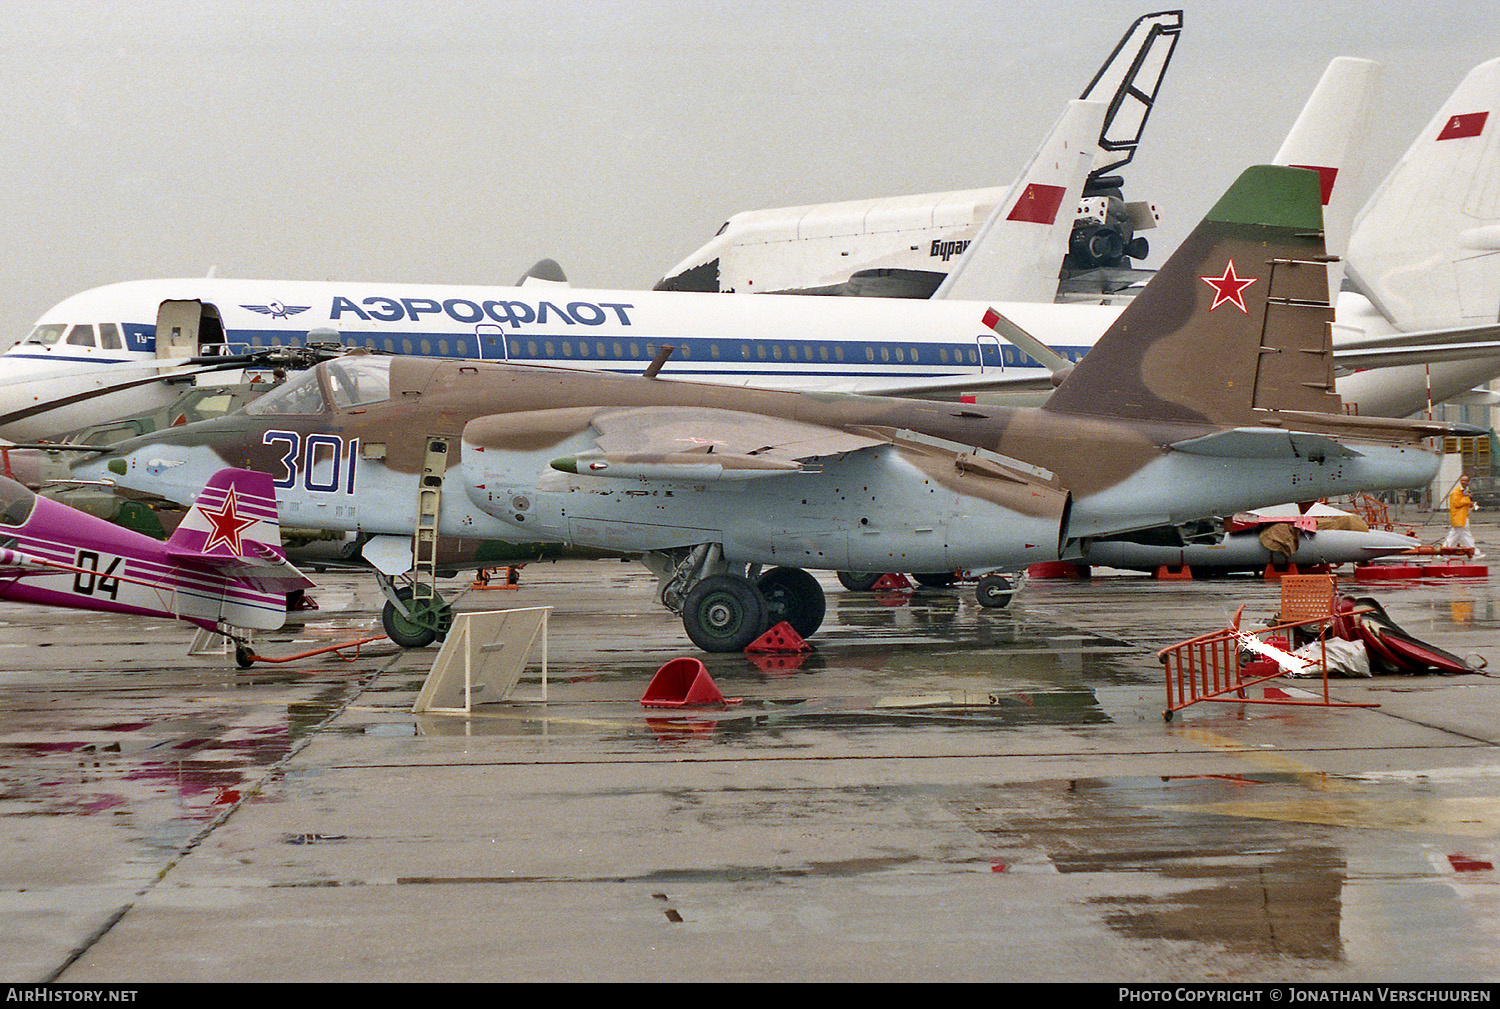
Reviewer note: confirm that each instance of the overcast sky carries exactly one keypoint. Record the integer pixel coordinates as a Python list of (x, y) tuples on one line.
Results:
[(459, 143)]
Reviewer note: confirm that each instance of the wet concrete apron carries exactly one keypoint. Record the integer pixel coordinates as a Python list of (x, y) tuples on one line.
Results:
[(938, 792)]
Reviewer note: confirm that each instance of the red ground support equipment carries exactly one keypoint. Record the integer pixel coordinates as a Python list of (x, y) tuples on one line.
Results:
[(683, 683), (511, 579), (245, 657), (1209, 667), (778, 640), (1058, 569)]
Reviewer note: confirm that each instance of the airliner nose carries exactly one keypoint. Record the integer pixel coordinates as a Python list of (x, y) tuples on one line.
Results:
[(44, 396), (24, 387)]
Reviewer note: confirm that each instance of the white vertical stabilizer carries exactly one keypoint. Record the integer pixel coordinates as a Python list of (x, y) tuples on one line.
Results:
[(1017, 253), (1426, 248), (1330, 137)]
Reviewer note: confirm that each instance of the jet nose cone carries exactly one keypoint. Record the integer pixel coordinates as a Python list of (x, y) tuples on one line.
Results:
[(1380, 542)]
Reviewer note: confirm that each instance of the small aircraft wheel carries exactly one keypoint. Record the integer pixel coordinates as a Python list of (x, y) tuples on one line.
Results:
[(795, 596), (429, 620), (858, 581), (994, 591), (243, 657), (724, 613), (939, 580)]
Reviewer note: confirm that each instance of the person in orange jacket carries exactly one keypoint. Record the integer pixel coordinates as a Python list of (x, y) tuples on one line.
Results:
[(1459, 506)]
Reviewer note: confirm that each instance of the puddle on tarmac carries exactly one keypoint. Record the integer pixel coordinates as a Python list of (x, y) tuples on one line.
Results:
[(1293, 877), (782, 722), (89, 752)]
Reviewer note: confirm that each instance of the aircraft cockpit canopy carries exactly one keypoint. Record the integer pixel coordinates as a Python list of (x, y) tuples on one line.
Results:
[(301, 395), (353, 382), (359, 381), (16, 503)]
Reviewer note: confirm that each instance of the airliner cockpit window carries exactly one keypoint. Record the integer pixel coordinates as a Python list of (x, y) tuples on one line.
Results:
[(48, 334), (16, 503), (82, 336), (359, 381), (301, 394), (109, 336)]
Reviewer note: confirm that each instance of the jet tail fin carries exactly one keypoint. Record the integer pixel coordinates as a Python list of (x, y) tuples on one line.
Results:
[(1235, 323), (1426, 247), (1017, 252), (1330, 137)]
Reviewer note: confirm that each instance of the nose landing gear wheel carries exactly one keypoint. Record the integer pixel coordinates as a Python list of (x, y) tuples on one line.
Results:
[(994, 591), (430, 620), (724, 613)]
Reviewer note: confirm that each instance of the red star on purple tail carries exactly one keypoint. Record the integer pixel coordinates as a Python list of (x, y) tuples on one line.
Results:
[(227, 525)]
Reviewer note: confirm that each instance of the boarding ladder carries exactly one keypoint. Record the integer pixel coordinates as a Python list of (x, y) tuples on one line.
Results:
[(429, 508)]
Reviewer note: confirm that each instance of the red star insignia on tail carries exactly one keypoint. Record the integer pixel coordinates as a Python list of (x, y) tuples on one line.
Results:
[(1228, 288), (227, 525)]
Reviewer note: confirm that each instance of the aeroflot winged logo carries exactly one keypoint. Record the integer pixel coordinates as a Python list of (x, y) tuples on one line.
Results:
[(1229, 288), (227, 524), (277, 310)]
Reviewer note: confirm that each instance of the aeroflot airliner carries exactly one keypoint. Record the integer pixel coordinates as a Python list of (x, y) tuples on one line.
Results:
[(875, 346), (114, 335)]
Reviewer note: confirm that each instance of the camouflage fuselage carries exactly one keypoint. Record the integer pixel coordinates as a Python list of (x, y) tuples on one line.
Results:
[(852, 482)]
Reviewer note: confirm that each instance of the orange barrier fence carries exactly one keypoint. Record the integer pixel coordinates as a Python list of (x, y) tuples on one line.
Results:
[(1212, 667)]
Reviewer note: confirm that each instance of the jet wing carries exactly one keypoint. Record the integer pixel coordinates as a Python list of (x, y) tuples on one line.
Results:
[(1264, 443), (919, 386), (1482, 333), (1396, 356), (708, 430), (685, 442)]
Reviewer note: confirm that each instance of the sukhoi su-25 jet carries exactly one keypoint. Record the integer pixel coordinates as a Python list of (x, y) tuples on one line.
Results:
[(1211, 393)]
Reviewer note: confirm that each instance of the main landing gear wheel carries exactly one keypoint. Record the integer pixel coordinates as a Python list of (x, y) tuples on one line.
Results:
[(858, 581), (430, 619), (795, 596), (994, 591), (938, 580), (724, 613)]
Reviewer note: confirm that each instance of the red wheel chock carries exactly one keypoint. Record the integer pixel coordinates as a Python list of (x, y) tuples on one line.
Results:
[(683, 683), (886, 583), (779, 639), (1167, 573)]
